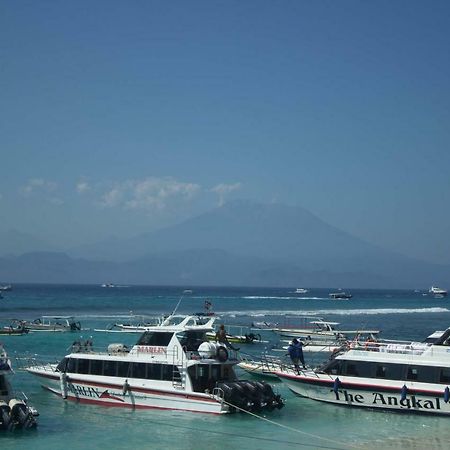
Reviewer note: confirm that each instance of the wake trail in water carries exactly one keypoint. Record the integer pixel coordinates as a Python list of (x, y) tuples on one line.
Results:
[(337, 312)]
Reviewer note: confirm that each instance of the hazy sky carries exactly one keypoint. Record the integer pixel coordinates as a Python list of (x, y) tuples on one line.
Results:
[(119, 117)]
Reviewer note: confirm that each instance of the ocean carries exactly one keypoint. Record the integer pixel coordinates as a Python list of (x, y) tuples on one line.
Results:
[(302, 423)]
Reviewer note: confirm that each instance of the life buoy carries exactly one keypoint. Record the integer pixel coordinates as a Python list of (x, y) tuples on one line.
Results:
[(222, 354)]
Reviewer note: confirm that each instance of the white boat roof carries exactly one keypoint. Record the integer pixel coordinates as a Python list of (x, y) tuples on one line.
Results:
[(176, 323), (58, 317)]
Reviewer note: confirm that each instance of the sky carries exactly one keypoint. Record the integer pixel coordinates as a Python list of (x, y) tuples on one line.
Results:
[(118, 118)]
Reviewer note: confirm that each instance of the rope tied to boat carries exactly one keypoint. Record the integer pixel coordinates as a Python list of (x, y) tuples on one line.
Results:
[(315, 436)]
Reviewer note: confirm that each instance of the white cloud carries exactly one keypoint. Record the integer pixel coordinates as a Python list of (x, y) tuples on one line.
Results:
[(38, 185), (83, 186), (149, 194), (222, 190)]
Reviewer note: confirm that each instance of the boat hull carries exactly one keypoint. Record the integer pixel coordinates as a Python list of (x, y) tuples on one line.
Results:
[(112, 394), (364, 394)]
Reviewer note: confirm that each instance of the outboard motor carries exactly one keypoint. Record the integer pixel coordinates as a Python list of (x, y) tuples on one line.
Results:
[(254, 396), (21, 416), (5, 419)]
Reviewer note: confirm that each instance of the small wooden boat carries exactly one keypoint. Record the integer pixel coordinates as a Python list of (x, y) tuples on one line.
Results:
[(53, 323), (15, 328)]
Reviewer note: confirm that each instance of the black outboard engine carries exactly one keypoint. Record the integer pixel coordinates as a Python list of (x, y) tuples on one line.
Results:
[(254, 396), (21, 416), (5, 419)]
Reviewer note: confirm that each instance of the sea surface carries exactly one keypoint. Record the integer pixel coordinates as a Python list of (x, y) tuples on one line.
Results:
[(302, 423)]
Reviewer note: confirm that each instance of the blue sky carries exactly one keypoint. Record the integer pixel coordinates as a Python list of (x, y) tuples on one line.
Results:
[(121, 117)]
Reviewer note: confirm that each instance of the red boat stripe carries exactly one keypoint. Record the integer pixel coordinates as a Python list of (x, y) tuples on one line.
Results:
[(122, 405), (190, 396), (359, 386)]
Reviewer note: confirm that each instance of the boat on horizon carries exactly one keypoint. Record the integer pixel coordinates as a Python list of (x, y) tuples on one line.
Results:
[(402, 376), (301, 291), (6, 287), (437, 292), (170, 367), (341, 295)]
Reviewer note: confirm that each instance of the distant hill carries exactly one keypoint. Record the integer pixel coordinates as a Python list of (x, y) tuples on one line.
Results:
[(242, 243), (14, 242)]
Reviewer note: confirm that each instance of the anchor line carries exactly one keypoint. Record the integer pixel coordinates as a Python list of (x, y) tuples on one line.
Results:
[(315, 436)]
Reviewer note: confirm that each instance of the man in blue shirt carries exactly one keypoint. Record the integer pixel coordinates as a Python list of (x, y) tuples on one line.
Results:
[(295, 351)]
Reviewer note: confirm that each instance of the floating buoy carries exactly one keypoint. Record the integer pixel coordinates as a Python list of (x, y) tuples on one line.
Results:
[(403, 392), (336, 385), (446, 394)]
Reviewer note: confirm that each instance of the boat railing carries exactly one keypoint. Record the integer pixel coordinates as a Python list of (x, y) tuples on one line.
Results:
[(41, 362), (218, 393), (399, 347)]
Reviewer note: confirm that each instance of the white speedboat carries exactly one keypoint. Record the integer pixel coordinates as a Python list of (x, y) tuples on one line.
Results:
[(301, 291), (318, 331), (395, 375), (340, 295), (15, 413), (170, 367), (53, 323), (437, 292), (193, 322), (266, 367)]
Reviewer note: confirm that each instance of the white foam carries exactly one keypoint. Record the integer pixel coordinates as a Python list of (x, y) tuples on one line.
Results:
[(265, 297), (337, 312)]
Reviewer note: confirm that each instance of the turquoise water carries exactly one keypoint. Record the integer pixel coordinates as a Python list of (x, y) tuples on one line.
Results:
[(302, 423)]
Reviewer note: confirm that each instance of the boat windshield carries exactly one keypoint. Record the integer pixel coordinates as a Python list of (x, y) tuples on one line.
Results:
[(191, 340), (152, 338)]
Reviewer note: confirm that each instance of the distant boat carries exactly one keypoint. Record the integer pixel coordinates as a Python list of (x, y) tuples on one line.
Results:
[(7, 287), (108, 285), (188, 291), (340, 296), (301, 291), (437, 292), (53, 323)]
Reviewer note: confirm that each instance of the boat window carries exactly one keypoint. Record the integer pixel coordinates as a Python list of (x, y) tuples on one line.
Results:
[(138, 370), (169, 372), (444, 376), (61, 367), (123, 369), (71, 365), (83, 366), (334, 367), (96, 367), (412, 373), (381, 371), (191, 340), (109, 368), (155, 339), (351, 369), (153, 372)]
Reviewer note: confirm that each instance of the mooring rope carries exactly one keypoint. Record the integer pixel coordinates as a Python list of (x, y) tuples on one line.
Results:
[(315, 436)]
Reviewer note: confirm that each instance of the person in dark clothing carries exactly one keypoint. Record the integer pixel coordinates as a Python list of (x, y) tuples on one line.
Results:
[(295, 351), (221, 338)]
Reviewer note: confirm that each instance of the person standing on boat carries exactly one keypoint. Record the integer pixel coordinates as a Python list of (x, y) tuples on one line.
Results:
[(295, 351), (221, 337)]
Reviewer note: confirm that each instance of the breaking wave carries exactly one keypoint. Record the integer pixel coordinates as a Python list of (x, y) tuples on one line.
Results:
[(337, 312), (277, 297)]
